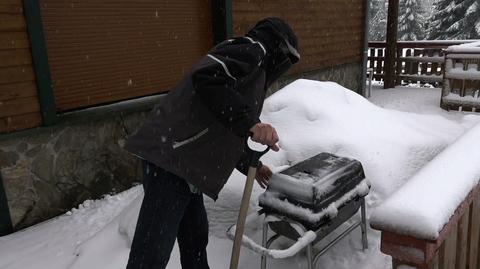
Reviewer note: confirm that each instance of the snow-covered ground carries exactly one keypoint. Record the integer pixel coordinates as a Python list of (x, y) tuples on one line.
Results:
[(393, 135)]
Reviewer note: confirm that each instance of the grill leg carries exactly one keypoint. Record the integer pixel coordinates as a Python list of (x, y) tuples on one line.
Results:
[(364, 225), (264, 244), (310, 256)]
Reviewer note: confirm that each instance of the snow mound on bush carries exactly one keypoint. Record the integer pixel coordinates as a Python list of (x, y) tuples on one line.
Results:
[(313, 117)]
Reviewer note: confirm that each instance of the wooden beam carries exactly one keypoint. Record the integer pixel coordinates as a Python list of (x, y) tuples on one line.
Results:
[(390, 53), (222, 21), (229, 18)]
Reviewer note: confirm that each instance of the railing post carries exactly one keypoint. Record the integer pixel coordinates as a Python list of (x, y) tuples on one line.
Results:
[(390, 57), (380, 62), (399, 65)]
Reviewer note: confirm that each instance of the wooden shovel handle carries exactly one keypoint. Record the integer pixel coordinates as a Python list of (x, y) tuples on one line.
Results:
[(242, 215)]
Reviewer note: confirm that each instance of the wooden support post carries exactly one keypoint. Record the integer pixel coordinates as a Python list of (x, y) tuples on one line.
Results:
[(222, 21), (229, 18), (392, 30), (40, 61), (5, 220)]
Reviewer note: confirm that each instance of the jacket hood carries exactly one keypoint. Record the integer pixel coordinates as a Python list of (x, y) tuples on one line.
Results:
[(281, 44)]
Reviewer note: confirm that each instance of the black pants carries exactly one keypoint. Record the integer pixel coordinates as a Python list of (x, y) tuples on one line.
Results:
[(169, 210)]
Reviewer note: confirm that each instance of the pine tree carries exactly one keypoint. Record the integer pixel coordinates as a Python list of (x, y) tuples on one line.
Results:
[(446, 16), (378, 20), (472, 19), (455, 19), (428, 8), (411, 20)]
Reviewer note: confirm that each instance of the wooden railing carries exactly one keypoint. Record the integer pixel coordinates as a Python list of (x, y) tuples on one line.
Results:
[(461, 86), (417, 61), (457, 247)]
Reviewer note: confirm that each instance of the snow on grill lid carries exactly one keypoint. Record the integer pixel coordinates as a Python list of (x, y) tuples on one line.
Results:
[(272, 200), (317, 181), (425, 204)]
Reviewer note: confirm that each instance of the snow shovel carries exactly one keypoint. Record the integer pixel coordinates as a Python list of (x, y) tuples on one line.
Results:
[(254, 158)]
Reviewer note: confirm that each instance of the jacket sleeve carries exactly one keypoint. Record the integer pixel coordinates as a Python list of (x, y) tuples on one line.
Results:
[(216, 84)]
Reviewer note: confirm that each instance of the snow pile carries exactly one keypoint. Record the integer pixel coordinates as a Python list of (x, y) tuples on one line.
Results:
[(62, 242), (425, 204), (311, 117)]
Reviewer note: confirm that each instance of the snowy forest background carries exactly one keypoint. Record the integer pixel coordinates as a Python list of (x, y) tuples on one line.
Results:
[(428, 19)]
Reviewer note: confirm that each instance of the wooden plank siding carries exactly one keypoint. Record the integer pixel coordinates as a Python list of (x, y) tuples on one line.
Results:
[(107, 51), (13, 40), (474, 231), (19, 105), (460, 250), (330, 32), (104, 51)]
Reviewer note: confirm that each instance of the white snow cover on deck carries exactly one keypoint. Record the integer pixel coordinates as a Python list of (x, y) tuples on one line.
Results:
[(426, 202), (310, 117)]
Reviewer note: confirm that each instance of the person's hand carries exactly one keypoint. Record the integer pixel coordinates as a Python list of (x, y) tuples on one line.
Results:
[(263, 176), (265, 134)]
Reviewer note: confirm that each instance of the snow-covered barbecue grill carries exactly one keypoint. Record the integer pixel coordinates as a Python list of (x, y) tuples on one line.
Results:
[(308, 201)]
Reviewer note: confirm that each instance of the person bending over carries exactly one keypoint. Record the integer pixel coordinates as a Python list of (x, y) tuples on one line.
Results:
[(197, 135)]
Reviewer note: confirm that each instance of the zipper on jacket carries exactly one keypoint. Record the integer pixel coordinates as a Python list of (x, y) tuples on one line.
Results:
[(177, 144)]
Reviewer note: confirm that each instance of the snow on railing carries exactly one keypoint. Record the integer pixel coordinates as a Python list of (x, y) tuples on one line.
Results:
[(461, 87), (473, 47), (433, 221)]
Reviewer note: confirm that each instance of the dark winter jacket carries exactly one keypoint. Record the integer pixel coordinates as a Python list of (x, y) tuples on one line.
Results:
[(199, 129)]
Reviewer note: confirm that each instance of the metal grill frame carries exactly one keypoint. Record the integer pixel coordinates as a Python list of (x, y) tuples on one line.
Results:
[(344, 213)]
